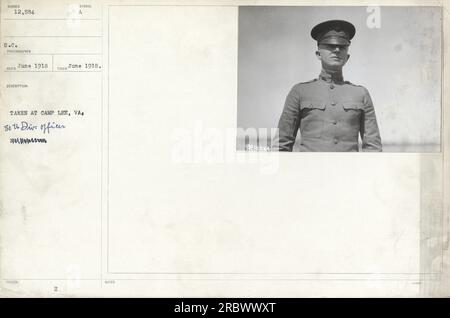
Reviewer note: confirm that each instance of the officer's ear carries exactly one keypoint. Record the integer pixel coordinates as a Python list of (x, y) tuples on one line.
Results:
[(318, 55), (348, 57)]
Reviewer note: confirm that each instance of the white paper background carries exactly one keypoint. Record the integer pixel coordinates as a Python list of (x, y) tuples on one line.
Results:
[(92, 212), (322, 213)]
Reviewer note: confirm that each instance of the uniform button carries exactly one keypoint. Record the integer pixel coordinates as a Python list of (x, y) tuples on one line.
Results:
[(335, 141), (331, 86), (333, 103), (334, 122)]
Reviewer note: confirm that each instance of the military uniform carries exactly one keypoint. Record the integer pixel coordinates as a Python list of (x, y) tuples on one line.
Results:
[(329, 112)]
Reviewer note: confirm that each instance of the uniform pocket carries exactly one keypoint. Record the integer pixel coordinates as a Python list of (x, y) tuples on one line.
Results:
[(349, 106), (312, 105), (312, 118), (352, 117)]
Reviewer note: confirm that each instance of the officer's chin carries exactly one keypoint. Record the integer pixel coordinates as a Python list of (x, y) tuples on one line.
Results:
[(334, 64)]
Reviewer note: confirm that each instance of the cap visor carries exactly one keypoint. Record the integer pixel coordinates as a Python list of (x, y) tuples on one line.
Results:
[(335, 41)]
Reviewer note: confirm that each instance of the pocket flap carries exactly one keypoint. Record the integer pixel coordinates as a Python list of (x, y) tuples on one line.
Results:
[(352, 105), (312, 104)]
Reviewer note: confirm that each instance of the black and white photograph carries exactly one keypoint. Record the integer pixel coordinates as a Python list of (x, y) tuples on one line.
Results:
[(339, 79), (229, 156)]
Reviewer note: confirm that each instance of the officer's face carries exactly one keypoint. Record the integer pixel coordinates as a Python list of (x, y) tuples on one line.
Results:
[(332, 55)]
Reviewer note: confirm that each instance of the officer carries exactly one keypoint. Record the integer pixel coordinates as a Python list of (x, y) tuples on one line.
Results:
[(329, 111)]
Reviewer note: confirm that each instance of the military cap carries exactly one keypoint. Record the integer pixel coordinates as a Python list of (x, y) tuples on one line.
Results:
[(338, 32)]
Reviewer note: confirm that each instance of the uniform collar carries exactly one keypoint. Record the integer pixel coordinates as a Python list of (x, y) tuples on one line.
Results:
[(328, 76)]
